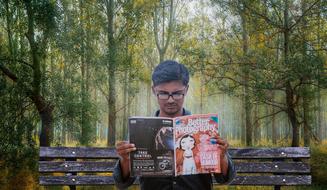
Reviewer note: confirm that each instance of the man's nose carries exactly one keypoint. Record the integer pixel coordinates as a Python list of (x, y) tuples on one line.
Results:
[(170, 99)]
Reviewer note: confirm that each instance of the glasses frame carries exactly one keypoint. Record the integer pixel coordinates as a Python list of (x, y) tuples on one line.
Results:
[(172, 95)]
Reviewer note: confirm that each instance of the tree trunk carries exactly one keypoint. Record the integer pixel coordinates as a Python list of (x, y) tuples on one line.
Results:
[(292, 115), (247, 102), (306, 100), (125, 92), (85, 136), (318, 97), (320, 130), (111, 73), (125, 97), (257, 130), (306, 119), (162, 48), (43, 107), (8, 24), (45, 112), (273, 122), (290, 96), (148, 99)]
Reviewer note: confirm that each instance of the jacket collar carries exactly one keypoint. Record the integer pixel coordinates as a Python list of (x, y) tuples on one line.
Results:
[(185, 112)]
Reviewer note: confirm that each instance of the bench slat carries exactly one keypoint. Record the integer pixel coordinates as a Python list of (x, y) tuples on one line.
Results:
[(107, 166), (76, 180), (272, 180), (271, 153), (238, 180), (272, 167), (77, 152), (236, 153), (76, 166)]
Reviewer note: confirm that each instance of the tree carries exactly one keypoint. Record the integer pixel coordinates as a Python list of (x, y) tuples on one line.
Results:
[(286, 75), (39, 15), (163, 41)]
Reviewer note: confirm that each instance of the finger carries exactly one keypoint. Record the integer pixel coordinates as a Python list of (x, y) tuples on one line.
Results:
[(123, 152), (125, 146), (226, 145), (223, 145), (221, 141), (118, 143)]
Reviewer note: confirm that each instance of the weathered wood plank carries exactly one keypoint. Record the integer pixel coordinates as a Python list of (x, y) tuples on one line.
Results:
[(283, 180), (272, 167), (76, 180), (285, 152), (107, 166), (76, 166), (77, 152), (236, 153)]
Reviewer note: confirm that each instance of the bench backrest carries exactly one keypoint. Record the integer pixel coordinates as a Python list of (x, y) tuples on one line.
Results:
[(255, 166)]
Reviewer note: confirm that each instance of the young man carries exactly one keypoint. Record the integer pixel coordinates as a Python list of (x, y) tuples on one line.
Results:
[(170, 84)]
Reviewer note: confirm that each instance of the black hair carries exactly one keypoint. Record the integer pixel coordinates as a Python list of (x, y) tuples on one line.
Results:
[(168, 71), (184, 137)]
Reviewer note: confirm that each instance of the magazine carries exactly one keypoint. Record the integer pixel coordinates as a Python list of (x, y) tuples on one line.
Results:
[(183, 145)]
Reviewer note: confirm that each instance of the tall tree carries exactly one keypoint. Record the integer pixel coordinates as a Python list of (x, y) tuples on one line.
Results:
[(246, 67), (166, 30), (37, 52), (267, 74), (111, 68)]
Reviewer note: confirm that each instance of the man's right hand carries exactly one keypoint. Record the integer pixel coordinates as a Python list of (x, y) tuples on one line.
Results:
[(123, 148)]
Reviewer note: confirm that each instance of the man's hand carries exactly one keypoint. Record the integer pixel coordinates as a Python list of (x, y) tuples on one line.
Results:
[(123, 148), (223, 146)]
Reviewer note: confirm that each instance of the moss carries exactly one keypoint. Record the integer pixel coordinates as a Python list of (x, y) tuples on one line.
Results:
[(23, 180), (318, 163)]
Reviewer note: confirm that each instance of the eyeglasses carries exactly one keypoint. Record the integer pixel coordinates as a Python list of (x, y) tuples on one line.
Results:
[(174, 95)]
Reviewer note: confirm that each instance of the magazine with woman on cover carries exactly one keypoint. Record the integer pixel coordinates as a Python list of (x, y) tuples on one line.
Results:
[(183, 145)]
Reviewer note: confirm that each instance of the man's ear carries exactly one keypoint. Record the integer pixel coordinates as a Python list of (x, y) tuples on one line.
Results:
[(154, 93), (186, 89)]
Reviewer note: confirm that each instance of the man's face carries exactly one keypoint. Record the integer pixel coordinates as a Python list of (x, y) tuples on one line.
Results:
[(170, 98)]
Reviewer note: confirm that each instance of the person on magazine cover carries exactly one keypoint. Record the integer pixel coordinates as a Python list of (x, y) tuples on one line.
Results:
[(186, 156), (170, 85), (163, 139)]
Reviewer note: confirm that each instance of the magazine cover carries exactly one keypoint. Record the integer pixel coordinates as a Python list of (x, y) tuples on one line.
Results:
[(153, 138), (196, 149)]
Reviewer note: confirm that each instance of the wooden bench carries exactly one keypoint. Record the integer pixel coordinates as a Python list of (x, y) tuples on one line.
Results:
[(75, 166)]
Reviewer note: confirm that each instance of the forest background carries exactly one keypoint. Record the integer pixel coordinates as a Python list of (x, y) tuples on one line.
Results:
[(73, 71)]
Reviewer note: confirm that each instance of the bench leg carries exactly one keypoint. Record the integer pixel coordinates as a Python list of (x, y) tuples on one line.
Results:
[(277, 187), (72, 187)]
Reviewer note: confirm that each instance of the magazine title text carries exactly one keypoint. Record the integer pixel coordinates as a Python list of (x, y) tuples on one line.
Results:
[(195, 125)]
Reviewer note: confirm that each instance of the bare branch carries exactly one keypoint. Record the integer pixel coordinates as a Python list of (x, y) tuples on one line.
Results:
[(155, 28), (265, 17), (8, 73), (269, 115), (125, 105), (303, 15), (16, 60)]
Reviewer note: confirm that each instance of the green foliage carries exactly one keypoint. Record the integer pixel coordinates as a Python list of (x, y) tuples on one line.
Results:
[(318, 164), (18, 150), (45, 13)]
